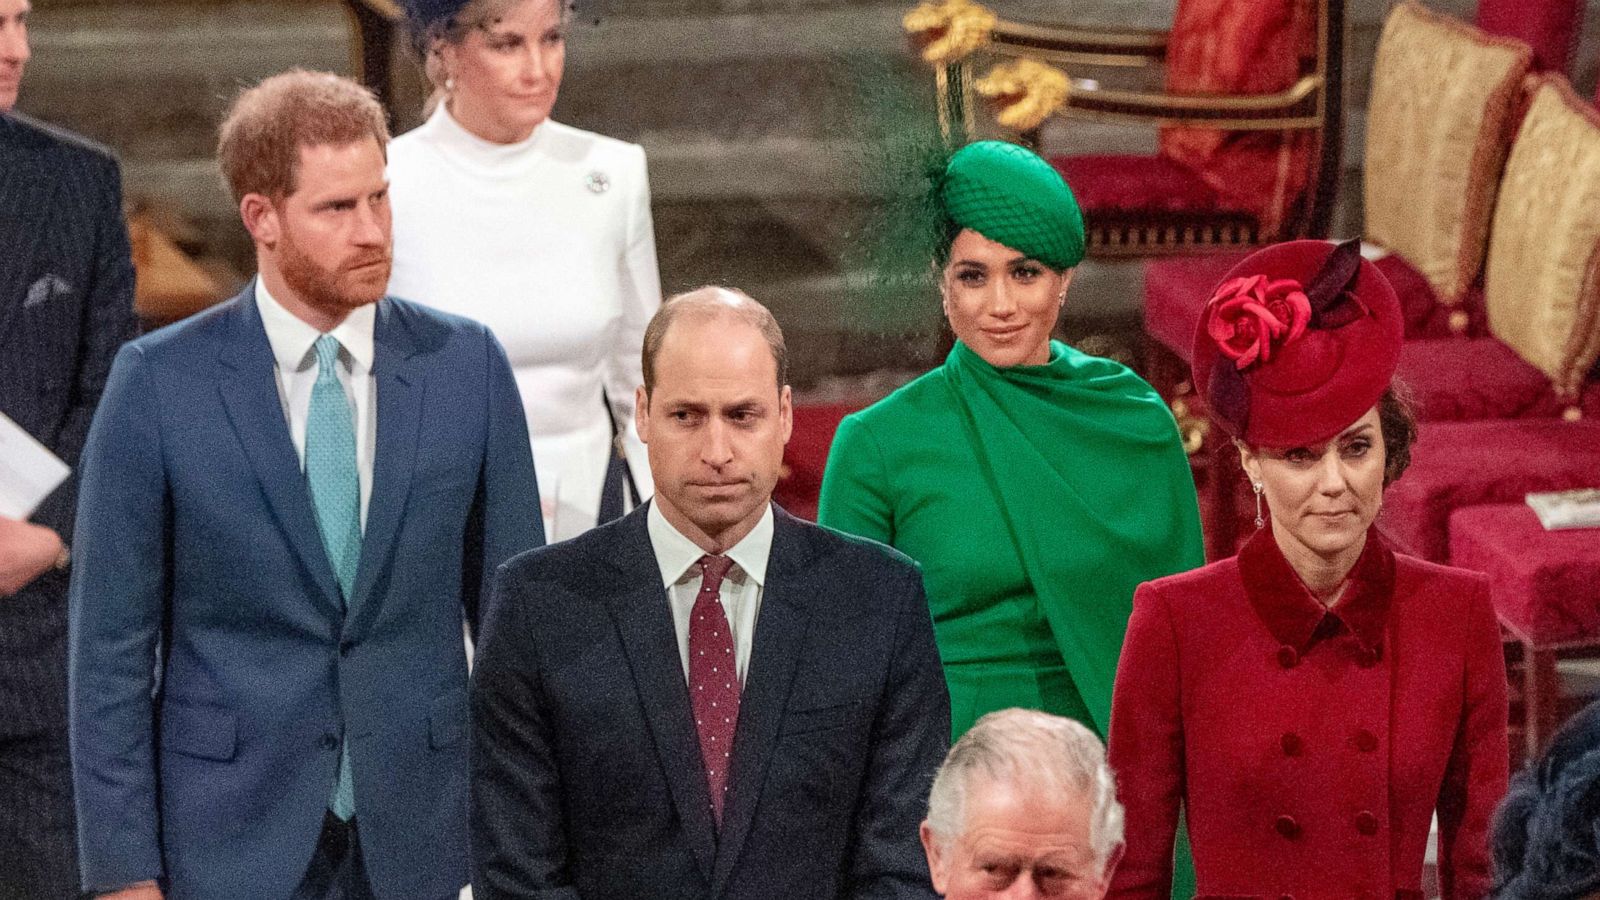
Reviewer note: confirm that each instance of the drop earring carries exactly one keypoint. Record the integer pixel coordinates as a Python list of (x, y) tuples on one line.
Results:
[(1256, 486)]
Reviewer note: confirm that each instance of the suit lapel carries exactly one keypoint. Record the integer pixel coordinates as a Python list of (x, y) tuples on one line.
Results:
[(780, 632), (643, 615), (399, 386), (27, 194), (250, 394)]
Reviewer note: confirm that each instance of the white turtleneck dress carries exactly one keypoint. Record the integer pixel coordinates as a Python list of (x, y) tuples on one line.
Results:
[(549, 243)]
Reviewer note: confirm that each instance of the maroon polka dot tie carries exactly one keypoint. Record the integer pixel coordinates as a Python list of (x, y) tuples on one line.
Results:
[(713, 681)]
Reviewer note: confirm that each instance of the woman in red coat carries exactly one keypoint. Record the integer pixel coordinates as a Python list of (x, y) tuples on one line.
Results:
[(1311, 702)]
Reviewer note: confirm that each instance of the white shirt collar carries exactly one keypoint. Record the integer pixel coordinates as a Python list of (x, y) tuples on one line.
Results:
[(676, 555), (291, 338)]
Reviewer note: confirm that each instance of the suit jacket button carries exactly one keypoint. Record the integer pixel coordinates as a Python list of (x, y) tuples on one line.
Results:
[(1287, 826), (1368, 657), (1287, 657), (346, 647), (1366, 823), (1292, 744), (1366, 741), (330, 741)]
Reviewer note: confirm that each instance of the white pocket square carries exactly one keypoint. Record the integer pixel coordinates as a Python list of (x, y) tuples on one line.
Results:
[(46, 287)]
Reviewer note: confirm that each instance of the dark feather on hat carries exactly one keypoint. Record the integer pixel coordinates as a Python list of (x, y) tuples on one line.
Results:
[(1332, 303), (1230, 398)]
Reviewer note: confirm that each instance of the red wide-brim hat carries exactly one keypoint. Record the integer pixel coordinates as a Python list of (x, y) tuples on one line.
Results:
[(1296, 343)]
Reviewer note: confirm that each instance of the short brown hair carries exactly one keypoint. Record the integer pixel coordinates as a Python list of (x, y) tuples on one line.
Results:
[(259, 143), (1397, 422), (707, 302)]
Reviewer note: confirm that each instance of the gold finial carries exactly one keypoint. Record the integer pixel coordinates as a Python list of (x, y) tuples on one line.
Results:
[(1024, 92), (949, 31)]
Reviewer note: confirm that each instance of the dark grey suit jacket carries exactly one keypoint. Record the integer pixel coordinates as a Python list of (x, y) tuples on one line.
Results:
[(586, 772), (66, 305)]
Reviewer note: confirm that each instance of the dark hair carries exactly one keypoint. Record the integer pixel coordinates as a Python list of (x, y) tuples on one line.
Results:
[(1546, 833), (706, 302), (1397, 421)]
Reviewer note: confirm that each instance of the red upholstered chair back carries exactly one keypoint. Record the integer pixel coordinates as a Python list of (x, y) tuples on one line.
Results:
[(1550, 27), (1232, 47)]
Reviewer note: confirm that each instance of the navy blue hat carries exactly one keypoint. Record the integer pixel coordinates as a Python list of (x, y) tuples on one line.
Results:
[(1547, 832), (423, 14)]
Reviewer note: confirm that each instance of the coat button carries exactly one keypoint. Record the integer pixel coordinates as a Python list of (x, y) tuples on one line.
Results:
[(1368, 657), (1287, 826), (330, 741), (1366, 823), (1292, 744), (1366, 741), (346, 647), (1287, 657)]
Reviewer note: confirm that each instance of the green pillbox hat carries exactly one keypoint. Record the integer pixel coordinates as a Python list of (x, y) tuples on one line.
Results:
[(1009, 195)]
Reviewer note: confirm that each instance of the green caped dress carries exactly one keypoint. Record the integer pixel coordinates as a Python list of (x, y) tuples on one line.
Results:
[(1036, 498)]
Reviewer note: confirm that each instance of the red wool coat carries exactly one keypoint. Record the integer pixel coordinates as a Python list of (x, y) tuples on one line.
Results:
[(1308, 746)]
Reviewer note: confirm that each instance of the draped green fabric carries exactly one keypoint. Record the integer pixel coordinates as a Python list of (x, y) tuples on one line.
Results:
[(1036, 499), (1096, 492)]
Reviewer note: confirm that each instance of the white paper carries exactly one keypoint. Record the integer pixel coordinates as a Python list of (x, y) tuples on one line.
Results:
[(1567, 509), (28, 471)]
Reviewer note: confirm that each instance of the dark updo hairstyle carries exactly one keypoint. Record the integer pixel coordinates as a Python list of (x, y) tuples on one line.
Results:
[(1546, 834), (1398, 424)]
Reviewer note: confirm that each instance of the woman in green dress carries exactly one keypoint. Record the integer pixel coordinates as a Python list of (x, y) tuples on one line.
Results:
[(1036, 485)]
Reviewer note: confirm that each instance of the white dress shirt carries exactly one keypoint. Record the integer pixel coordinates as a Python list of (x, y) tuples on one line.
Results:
[(295, 367), (679, 560)]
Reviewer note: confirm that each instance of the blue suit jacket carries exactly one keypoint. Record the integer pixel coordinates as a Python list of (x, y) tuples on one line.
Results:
[(66, 305), (587, 780), (213, 670)]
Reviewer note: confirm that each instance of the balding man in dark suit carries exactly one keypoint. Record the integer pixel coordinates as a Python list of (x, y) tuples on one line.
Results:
[(708, 698), (66, 305)]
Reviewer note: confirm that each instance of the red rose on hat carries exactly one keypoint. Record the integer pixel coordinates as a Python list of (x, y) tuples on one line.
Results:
[(1251, 316)]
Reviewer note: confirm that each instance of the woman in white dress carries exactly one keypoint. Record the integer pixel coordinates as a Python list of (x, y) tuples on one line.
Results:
[(539, 230)]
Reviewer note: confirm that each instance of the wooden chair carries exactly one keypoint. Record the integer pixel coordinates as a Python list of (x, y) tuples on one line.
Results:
[(1184, 198)]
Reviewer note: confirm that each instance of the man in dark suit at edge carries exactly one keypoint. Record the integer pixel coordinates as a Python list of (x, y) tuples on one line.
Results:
[(707, 698), (66, 305)]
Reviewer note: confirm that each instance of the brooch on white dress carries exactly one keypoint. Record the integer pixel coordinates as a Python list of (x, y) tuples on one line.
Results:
[(598, 182)]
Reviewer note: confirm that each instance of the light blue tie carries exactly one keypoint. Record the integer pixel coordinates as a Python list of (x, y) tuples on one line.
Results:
[(336, 497)]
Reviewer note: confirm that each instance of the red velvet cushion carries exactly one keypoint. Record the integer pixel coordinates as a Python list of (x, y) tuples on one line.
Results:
[(1104, 184), (806, 456), (1176, 290), (1425, 317), (1480, 378), (1550, 27), (1457, 464), (1545, 584)]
